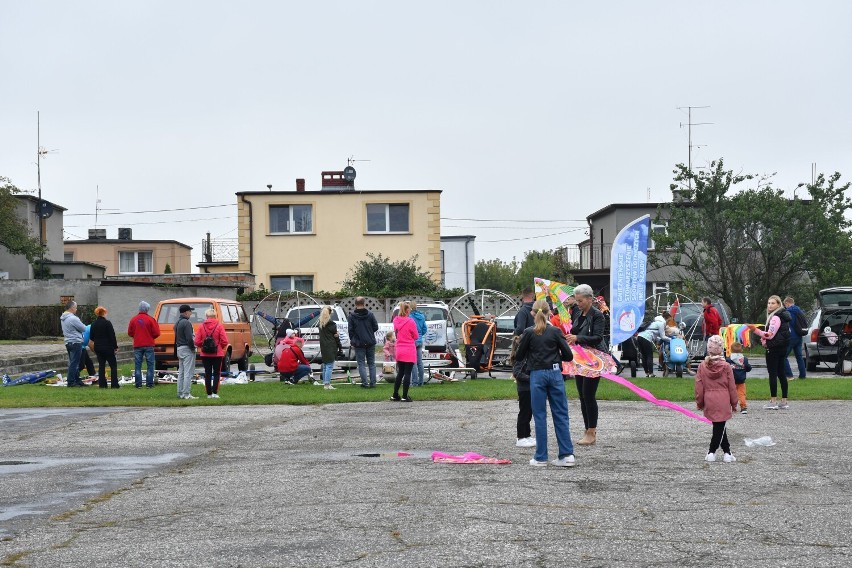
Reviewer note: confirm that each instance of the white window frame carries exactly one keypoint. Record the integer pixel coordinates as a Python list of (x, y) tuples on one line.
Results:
[(290, 221), (652, 245), (135, 254), (660, 288), (292, 281), (387, 209)]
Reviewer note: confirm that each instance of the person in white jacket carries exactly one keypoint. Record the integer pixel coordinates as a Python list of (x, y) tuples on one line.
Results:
[(648, 340)]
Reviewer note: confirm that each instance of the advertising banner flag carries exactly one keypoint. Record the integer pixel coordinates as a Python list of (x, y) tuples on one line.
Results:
[(627, 277)]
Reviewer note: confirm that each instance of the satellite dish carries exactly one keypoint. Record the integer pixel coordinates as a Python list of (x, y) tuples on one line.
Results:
[(45, 209), (349, 173)]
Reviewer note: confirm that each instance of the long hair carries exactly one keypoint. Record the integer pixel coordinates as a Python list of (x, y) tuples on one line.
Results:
[(542, 314), (325, 316), (404, 309)]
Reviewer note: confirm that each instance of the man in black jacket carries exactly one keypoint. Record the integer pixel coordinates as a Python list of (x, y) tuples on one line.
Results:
[(524, 317), (185, 351), (362, 335)]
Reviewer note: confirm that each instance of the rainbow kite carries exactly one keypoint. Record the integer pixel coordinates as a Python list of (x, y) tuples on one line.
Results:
[(740, 332), (558, 293)]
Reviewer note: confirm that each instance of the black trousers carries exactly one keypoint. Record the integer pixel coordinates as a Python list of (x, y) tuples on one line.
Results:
[(587, 388), (719, 437), (775, 368), (86, 362), (403, 375), (212, 372), (107, 358), (524, 414), (646, 348)]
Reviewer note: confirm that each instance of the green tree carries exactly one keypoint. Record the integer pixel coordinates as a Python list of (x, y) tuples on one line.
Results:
[(744, 245), (381, 277), (14, 235), (497, 275), (537, 263), (167, 269)]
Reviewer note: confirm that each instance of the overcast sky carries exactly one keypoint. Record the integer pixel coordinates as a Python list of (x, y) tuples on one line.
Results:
[(539, 112)]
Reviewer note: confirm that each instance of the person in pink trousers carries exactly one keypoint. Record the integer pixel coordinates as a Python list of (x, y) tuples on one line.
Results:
[(406, 352), (716, 395)]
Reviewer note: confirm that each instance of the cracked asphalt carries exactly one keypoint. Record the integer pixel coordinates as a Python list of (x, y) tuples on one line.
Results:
[(281, 486)]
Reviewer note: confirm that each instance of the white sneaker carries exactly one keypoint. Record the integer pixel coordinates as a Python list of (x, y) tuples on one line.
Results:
[(214, 395), (329, 388), (525, 442), (209, 396), (729, 458), (190, 397), (710, 457), (317, 383), (536, 463), (567, 461), (771, 406)]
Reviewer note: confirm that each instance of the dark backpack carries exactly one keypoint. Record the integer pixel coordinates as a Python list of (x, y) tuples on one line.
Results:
[(801, 323), (209, 345)]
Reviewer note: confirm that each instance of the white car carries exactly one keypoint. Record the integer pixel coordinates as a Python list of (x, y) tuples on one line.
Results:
[(305, 319)]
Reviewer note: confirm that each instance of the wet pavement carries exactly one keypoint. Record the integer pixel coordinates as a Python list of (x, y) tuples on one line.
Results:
[(286, 486)]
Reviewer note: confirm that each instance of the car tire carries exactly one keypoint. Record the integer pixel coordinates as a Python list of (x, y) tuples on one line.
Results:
[(243, 364), (633, 367), (226, 363), (810, 361)]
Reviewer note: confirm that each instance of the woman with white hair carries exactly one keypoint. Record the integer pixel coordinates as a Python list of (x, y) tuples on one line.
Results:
[(588, 330), (212, 351)]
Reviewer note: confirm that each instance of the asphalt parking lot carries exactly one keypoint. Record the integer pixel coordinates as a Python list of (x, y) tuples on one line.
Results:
[(284, 486)]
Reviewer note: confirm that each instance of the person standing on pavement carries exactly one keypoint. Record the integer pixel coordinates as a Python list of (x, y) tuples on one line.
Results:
[(521, 374), (212, 353), (72, 330), (144, 330), (329, 340), (740, 365), (363, 326), (524, 317), (798, 329), (775, 338), (420, 321), (406, 356), (102, 334), (716, 395), (544, 348), (185, 350), (711, 323)]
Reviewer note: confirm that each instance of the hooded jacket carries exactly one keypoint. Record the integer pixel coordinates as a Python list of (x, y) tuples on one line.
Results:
[(656, 331), (72, 328), (362, 328), (406, 335), (420, 321), (211, 326), (715, 392)]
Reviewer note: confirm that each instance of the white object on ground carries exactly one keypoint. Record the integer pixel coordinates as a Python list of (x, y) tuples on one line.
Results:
[(762, 441)]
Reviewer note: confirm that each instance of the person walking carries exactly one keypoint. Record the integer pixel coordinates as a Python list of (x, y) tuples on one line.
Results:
[(406, 351), (144, 330), (775, 337), (741, 367), (212, 340), (798, 329), (716, 395), (185, 350), (588, 330), (72, 330), (420, 321), (521, 374), (102, 334), (329, 340), (362, 327), (544, 348)]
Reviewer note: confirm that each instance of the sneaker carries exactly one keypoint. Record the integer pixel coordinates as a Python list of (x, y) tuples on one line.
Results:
[(209, 396), (395, 398), (729, 458), (317, 383), (744, 411), (190, 397), (329, 387), (783, 406), (710, 457), (567, 461), (526, 442), (214, 395), (406, 399), (771, 406), (536, 463)]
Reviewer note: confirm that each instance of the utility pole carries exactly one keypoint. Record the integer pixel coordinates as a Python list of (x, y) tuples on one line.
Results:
[(689, 125)]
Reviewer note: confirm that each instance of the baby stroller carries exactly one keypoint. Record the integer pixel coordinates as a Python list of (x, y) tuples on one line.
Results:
[(675, 356), (630, 352)]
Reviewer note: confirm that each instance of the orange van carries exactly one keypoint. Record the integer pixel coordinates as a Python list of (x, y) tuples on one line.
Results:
[(229, 312)]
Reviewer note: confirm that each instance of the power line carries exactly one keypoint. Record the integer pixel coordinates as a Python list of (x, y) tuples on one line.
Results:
[(157, 222), (151, 211), (523, 238), (516, 220), (516, 228)]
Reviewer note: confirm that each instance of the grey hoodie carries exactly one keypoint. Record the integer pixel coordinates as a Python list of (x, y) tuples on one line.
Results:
[(72, 328)]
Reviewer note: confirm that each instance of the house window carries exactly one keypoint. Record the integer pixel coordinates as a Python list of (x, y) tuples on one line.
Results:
[(656, 230), (659, 288), (387, 218), (136, 262), (68, 256), (290, 219), (300, 283)]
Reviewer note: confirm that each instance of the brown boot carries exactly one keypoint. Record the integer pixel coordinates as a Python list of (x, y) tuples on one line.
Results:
[(588, 438)]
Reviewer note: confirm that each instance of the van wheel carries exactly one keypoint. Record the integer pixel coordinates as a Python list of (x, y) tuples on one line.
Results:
[(243, 364), (226, 363)]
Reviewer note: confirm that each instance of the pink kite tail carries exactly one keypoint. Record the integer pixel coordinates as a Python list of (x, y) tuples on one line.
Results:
[(652, 399)]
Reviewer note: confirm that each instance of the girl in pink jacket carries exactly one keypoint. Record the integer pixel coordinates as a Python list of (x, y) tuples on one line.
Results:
[(406, 351), (716, 395)]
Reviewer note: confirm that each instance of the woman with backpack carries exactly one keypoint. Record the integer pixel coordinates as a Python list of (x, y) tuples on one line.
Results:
[(775, 337), (212, 341)]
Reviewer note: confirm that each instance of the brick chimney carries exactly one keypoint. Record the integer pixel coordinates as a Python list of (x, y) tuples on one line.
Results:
[(300, 184)]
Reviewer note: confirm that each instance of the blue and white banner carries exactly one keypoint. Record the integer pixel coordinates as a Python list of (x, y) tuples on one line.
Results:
[(627, 277)]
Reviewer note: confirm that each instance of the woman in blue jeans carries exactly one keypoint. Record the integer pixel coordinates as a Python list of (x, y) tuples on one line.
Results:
[(544, 348)]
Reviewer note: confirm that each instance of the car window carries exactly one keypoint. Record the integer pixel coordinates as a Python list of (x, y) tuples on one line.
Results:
[(241, 314), (169, 312), (836, 298), (505, 325), (433, 313), (304, 317)]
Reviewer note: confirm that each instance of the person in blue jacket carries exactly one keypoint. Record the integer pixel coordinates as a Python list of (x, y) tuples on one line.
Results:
[(797, 332), (420, 320)]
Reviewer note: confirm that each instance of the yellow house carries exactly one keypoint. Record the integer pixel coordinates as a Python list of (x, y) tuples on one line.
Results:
[(309, 240), (125, 256)]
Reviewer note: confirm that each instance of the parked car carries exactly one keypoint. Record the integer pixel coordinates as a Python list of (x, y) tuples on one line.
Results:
[(305, 318), (834, 312), (440, 335), (229, 312)]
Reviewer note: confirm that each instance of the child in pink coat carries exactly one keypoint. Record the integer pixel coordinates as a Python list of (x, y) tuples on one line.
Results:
[(406, 351), (716, 395)]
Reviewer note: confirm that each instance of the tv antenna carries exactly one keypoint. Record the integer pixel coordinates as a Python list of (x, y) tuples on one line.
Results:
[(689, 124), (98, 207), (350, 161), (43, 211)]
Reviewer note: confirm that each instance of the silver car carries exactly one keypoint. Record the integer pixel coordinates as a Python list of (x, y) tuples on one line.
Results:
[(831, 324)]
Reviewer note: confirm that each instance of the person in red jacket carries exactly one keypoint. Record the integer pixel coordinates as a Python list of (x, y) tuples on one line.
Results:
[(712, 319), (211, 358), (292, 363), (144, 330)]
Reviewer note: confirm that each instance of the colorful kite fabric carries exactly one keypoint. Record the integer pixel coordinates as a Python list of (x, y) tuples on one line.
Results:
[(589, 362), (558, 293), (467, 457), (652, 399), (737, 332)]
